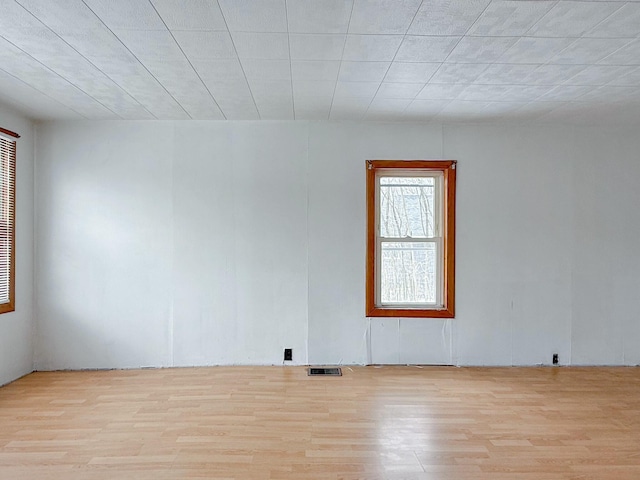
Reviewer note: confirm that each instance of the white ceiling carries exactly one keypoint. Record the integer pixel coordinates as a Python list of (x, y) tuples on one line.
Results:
[(391, 60)]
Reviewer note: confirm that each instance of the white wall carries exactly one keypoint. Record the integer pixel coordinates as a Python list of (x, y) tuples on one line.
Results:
[(513, 244), (605, 291), (198, 243), (171, 244), (16, 328)]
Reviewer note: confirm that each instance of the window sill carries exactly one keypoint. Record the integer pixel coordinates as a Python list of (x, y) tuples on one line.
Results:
[(410, 312)]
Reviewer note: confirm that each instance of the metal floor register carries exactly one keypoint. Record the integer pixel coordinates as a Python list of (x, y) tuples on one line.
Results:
[(313, 371)]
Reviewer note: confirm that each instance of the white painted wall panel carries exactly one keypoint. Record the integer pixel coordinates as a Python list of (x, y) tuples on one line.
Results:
[(204, 267), (16, 328), (606, 264), (104, 245), (513, 238), (240, 210)]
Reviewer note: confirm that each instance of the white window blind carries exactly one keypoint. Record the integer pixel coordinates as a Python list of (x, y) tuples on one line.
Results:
[(7, 223)]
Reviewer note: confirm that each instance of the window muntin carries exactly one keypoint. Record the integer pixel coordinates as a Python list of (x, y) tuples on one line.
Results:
[(410, 235)]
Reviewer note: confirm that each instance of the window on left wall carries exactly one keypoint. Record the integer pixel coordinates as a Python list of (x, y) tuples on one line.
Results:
[(7, 220)]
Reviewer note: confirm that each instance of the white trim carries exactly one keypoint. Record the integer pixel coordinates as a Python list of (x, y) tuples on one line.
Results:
[(4, 136), (438, 175)]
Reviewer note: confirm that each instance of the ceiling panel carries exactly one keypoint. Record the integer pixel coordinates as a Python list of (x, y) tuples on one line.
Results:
[(315, 70), (316, 47), (126, 14), (197, 15), (481, 49), (572, 19), (628, 55), (121, 66), (392, 60), (609, 93), (463, 110), (313, 108), (372, 48), (15, 19), (441, 92), (630, 77), (622, 23), (535, 50), (267, 46), (270, 91), (452, 73), (32, 101), (484, 92), (280, 110), (46, 47), (254, 15), (399, 90), (363, 71), (426, 49), (383, 16), (162, 57), (356, 89), (525, 93), (402, 72), (61, 15), (349, 108), (205, 45), (425, 107), (319, 16), (598, 75), (256, 69), (506, 74), (312, 88), (24, 67), (553, 74), (221, 70), (447, 17), (509, 18), (585, 51), (385, 108), (565, 93)]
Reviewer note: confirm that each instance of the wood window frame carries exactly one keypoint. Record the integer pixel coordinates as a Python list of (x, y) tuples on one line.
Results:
[(10, 306), (448, 169)]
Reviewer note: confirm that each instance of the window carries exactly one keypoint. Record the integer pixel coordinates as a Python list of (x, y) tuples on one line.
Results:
[(7, 219), (410, 238)]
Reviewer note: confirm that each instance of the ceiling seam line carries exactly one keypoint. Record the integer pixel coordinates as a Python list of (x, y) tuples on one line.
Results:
[(138, 60), (393, 59), (344, 45), (233, 43), (43, 93), (293, 98), (60, 76), (187, 59), (85, 58)]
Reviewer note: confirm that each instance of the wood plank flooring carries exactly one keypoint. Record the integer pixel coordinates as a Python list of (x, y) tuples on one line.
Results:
[(262, 423)]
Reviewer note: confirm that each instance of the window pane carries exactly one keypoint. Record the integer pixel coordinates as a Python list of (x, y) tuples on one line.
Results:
[(408, 272), (407, 206)]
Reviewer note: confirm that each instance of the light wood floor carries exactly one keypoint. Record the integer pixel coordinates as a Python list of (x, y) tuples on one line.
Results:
[(276, 423)]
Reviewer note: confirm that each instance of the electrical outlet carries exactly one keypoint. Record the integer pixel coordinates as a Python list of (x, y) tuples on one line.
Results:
[(288, 354), (555, 359)]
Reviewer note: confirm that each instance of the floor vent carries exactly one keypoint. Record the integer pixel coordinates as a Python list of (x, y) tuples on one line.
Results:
[(336, 372)]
